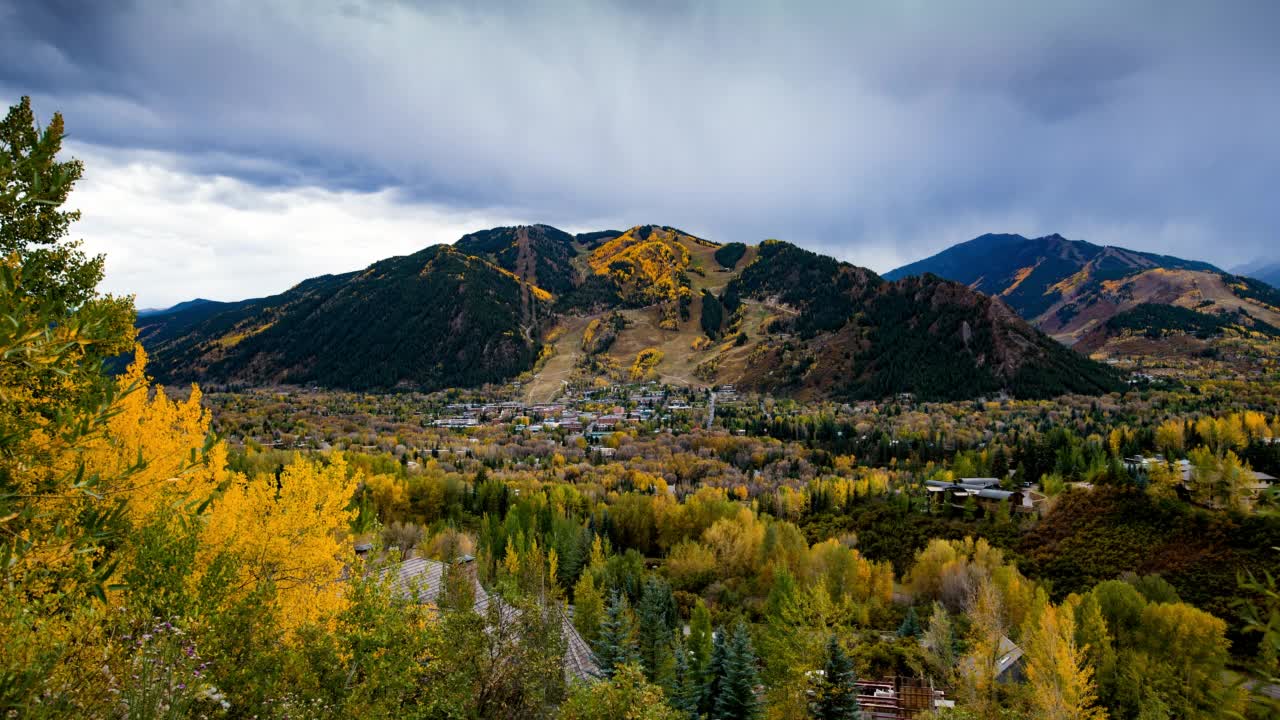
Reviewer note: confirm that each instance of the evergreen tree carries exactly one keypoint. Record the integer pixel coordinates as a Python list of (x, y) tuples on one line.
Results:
[(685, 691), (34, 184), (910, 626), (714, 675), (617, 643), (837, 692), (736, 699), (657, 616)]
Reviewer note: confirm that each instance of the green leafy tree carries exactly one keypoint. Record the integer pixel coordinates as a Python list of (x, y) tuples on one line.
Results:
[(700, 639), (836, 695), (1099, 647), (625, 695)]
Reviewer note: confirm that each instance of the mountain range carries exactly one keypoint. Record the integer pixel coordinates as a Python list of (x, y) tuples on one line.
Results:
[(1264, 270), (543, 306), (1085, 295)]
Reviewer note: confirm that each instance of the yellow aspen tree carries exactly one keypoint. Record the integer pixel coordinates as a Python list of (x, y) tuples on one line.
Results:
[(1170, 437), (978, 669), (167, 437), (1059, 678), (290, 538), (597, 553), (511, 559)]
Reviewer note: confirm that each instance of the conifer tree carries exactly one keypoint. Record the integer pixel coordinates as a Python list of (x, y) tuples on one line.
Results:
[(837, 692), (714, 675), (910, 626), (617, 643), (686, 690), (34, 184), (656, 624), (736, 699)]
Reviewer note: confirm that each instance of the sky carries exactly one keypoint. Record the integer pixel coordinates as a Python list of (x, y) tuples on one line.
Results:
[(233, 149)]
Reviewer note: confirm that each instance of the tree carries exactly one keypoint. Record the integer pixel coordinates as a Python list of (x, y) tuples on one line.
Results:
[(1192, 649), (979, 667), (796, 622), (1059, 678), (588, 607), (940, 643), (625, 696), (33, 186), (910, 626), (1093, 637), (736, 699), (714, 675), (836, 697), (288, 538), (700, 641), (657, 619), (617, 642), (686, 689), (1218, 479)]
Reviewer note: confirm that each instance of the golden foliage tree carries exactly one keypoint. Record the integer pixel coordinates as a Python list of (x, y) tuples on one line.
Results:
[(1059, 678)]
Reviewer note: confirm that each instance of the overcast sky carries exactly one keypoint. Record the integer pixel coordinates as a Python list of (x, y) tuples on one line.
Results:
[(234, 148)]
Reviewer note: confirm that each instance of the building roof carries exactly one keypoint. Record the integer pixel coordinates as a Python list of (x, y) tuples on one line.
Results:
[(1010, 654), (423, 580)]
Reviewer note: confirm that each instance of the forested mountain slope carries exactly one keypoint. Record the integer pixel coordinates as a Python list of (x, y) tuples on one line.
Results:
[(433, 319), (651, 302), (1071, 289)]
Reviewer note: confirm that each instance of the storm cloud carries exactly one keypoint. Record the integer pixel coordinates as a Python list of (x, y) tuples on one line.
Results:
[(878, 131)]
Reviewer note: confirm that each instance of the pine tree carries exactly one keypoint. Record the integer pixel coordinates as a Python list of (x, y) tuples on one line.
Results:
[(736, 699), (686, 690), (617, 644), (910, 626), (713, 677), (657, 616), (34, 184), (837, 692)]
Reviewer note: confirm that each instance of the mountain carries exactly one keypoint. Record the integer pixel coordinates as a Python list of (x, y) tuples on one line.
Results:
[(1071, 289), (866, 337), (540, 254), (433, 319), (650, 302), (1267, 272), (180, 307)]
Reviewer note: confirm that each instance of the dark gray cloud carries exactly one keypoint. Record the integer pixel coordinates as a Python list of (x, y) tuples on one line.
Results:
[(879, 131)]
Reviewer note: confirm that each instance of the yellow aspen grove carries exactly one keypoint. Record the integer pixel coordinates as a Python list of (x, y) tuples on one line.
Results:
[(1059, 678), (288, 535), (167, 437)]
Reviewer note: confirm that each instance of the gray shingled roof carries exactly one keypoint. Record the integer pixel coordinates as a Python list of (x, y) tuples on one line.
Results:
[(422, 579)]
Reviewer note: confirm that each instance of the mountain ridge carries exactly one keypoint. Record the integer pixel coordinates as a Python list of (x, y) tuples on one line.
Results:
[(1071, 289), (481, 310)]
